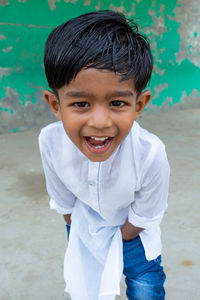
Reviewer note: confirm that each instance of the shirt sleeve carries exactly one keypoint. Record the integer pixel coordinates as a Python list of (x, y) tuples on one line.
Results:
[(150, 201), (61, 199)]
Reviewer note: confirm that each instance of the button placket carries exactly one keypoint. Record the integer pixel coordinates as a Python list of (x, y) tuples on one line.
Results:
[(92, 182)]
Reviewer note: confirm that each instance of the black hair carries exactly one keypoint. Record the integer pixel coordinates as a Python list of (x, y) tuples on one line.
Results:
[(102, 40)]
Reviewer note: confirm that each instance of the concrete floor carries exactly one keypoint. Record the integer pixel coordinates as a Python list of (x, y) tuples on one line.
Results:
[(33, 238)]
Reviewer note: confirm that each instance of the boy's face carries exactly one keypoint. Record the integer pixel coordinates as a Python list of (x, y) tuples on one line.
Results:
[(97, 111)]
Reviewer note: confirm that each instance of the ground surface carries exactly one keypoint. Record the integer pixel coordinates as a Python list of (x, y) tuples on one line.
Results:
[(33, 238)]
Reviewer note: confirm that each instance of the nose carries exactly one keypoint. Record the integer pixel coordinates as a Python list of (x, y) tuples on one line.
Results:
[(100, 118)]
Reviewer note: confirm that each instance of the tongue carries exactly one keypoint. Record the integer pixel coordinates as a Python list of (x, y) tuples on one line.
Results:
[(94, 142)]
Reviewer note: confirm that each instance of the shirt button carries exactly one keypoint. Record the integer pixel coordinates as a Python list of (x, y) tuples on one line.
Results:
[(91, 183)]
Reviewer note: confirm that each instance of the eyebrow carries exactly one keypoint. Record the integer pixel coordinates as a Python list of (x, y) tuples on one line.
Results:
[(80, 94), (76, 94)]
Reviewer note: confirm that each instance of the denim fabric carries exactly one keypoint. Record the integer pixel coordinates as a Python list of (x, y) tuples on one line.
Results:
[(68, 229), (144, 279)]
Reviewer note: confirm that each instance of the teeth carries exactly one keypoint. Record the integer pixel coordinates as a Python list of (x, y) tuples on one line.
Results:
[(99, 147), (99, 138)]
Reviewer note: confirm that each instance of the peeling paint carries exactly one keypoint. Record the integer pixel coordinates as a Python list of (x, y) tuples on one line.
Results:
[(2, 37), (4, 72), (158, 89), (158, 70), (190, 101), (52, 4), (98, 6), (7, 49), (157, 29), (4, 2), (11, 97), (189, 31), (119, 9), (26, 117), (158, 20), (133, 9), (25, 25), (71, 1), (87, 2), (187, 101)]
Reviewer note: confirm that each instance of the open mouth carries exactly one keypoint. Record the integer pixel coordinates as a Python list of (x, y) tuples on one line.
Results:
[(98, 144)]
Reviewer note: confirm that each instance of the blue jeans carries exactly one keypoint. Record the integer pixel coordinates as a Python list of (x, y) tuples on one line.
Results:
[(144, 279)]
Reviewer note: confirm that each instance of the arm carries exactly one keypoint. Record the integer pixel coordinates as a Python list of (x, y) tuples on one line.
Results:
[(150, 200), (67, 218), (130, 231), (61, 199)]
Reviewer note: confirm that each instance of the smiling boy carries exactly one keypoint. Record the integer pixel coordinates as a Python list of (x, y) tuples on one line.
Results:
[(103, 171)]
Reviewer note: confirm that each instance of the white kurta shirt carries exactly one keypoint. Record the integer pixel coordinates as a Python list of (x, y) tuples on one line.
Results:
[(133, 182)]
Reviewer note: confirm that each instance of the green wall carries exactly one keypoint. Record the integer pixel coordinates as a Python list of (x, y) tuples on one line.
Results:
[(172, 26)]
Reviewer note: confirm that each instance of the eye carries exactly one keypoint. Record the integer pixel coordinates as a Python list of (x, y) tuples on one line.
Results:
[(81, 104), (117, 103)]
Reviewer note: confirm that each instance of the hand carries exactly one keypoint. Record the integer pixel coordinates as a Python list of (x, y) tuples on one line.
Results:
[(67, 218), (129, 231)]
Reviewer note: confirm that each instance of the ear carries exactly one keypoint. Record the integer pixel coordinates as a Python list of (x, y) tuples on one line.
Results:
[(142, 102), (53, 102)]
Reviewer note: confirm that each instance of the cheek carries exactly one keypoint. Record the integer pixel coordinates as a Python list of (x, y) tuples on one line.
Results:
[(125, 124), (72, 126), (125, 130)]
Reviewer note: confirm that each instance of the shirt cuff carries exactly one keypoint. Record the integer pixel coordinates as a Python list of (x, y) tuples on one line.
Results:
[(144, 222), (61, 210)]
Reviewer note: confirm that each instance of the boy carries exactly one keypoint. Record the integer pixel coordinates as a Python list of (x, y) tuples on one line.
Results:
[(103, 171)]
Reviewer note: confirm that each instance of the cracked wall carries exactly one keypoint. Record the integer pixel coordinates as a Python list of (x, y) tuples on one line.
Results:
[(172, 26)]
